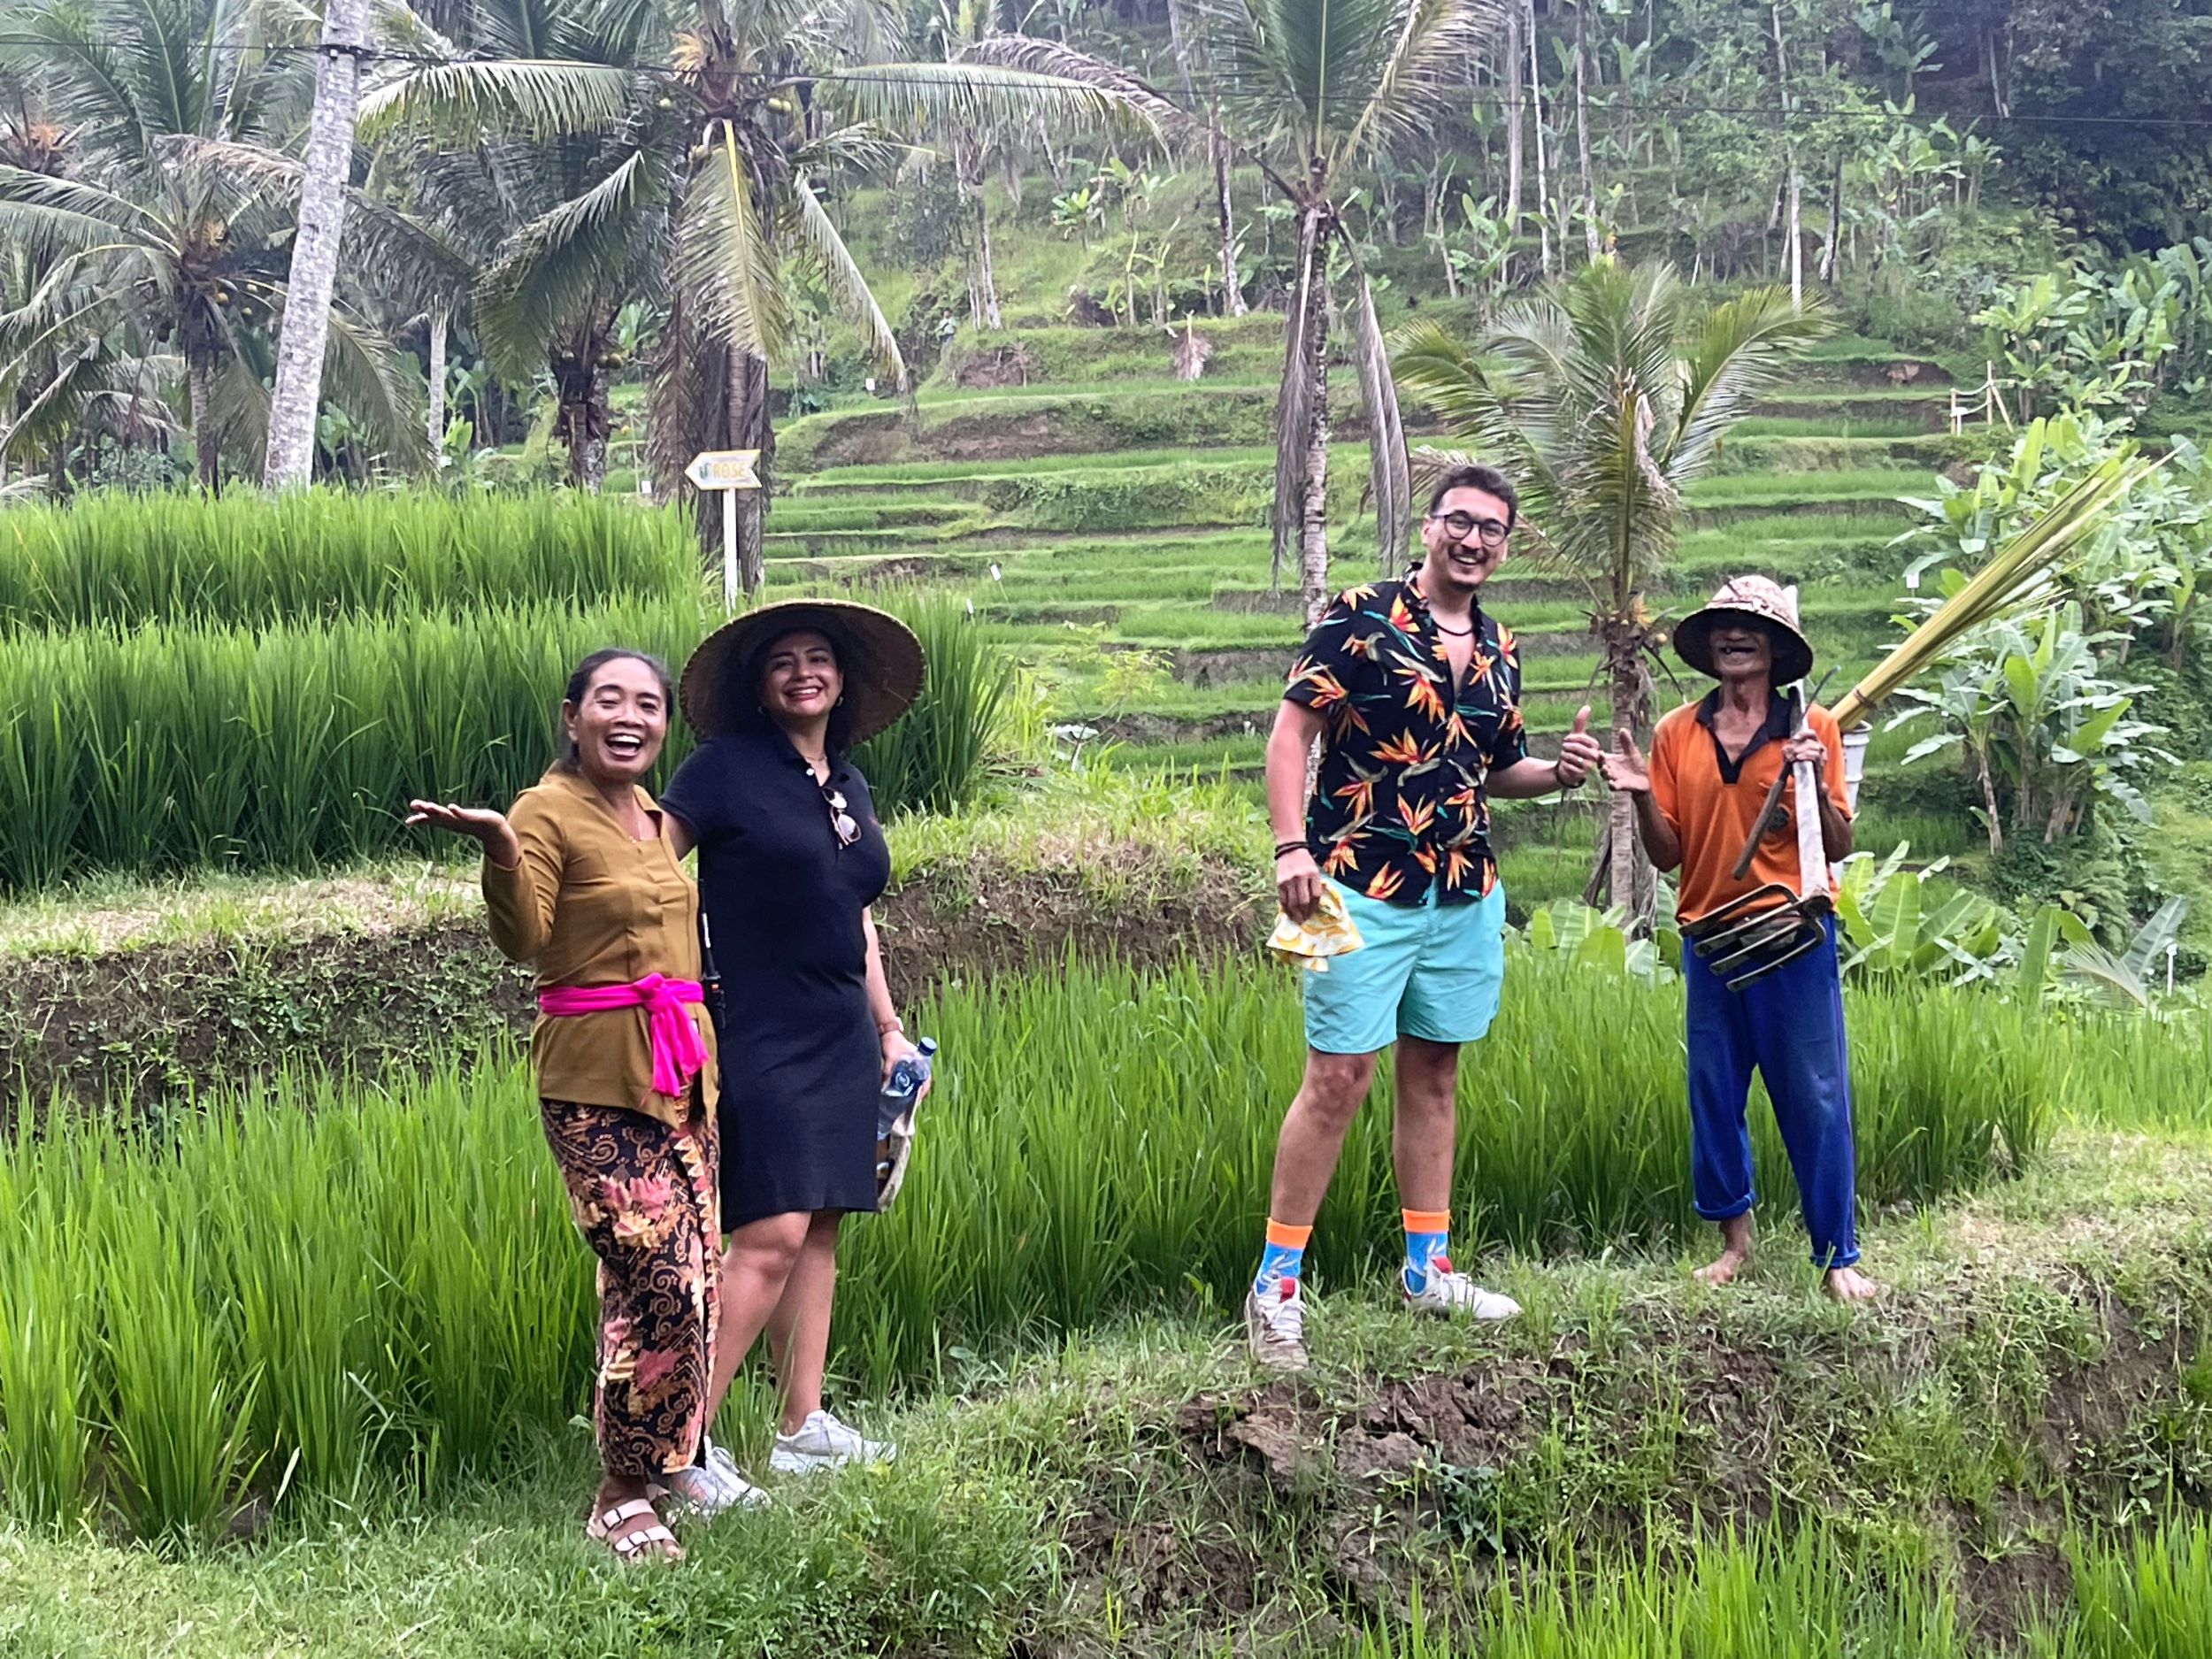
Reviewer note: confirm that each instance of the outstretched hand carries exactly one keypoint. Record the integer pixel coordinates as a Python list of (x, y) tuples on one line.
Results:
[(1626, 771), (479, 824), (1580, 753)]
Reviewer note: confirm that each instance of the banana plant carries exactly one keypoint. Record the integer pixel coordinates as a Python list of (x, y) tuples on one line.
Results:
[(1892, 931), (1599, 940), (2127, 979)]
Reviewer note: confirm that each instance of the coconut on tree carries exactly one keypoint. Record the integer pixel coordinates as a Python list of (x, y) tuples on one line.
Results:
[(1602, 398)]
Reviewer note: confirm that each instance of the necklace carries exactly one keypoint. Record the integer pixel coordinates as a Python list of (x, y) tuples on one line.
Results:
[(1457, 634)]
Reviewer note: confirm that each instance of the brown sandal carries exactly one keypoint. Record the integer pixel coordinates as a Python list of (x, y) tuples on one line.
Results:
[(637, 1542)]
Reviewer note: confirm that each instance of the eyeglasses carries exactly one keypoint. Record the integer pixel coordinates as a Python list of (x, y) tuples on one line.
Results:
[(843, 823), (1459, 525)]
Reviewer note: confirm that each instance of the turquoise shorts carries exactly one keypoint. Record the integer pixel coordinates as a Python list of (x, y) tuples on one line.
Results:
[(1428, 969)]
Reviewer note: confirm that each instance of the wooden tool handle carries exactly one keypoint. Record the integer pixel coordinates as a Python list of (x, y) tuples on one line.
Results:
[(1812, 850), (1759, 826)]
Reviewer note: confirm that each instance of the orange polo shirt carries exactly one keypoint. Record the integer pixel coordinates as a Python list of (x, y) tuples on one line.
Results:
[(1711, 802)]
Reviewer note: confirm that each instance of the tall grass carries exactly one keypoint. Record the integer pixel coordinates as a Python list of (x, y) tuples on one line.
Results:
[(340, 1286), (2148, 1598), (1814, 1595), (294, 747), (123, 561), (1768, 1595)]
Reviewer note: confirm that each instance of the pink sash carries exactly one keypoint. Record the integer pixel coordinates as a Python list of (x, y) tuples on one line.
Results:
[(677, 1051)]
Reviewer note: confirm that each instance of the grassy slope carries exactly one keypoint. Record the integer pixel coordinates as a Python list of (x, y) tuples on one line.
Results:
[(1047, 478), (2038, 1371)]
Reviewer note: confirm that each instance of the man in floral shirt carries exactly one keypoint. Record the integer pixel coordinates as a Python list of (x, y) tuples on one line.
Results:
[(1413, 692)]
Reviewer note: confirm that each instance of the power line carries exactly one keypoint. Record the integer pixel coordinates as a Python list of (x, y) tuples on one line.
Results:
[(1600, 100)]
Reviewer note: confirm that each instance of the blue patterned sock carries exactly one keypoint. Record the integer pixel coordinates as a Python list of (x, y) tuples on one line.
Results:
[(1281, 1261), (1427, 1231)]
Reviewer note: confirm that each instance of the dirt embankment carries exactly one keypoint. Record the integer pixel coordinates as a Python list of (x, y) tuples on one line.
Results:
[(154, 1023), (1676, 1424)]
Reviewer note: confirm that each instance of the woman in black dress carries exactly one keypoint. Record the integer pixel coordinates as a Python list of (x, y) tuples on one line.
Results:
[(790, 859)]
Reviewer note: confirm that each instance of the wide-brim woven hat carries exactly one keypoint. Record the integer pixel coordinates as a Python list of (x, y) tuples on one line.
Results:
[(1748, 599), (880, 658)]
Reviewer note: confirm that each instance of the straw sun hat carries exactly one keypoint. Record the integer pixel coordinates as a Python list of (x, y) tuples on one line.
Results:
[(1753, 599), (880, 657)]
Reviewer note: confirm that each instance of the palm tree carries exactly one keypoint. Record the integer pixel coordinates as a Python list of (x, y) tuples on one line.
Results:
[(297, 394), (693, 135), (1602, 398), (169, 246), (1309, 91)]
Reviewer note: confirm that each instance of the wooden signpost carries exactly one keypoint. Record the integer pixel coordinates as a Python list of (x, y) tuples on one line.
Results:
[(728, 470)]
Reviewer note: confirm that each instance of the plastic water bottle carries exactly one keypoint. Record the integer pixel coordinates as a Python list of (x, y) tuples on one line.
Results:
[(907, 1077)]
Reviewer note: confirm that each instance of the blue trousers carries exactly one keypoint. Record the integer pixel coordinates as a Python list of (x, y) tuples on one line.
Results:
[(1790, 1026)]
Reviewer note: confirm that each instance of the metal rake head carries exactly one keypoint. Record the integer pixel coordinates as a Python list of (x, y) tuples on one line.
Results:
[(1750, 937)]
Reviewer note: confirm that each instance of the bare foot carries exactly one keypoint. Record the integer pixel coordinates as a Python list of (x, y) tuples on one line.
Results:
[(1723, 1268), (1735, 1238), (1849, 1286)]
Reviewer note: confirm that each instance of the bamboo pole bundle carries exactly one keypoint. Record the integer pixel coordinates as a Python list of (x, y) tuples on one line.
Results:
[(2012, 576)]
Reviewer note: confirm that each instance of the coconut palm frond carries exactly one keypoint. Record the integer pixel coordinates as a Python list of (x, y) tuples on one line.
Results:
[(1431, 62), (563, 259), (238, 409), (863, 148), (58, 217), (1739, 352), (840, 275), (1434, 367), (1063, 65), (1389, 479), (931, 94), (370, 381), (401, 31), (1303, 69), (534, 99), (726, 259), (76, 61)]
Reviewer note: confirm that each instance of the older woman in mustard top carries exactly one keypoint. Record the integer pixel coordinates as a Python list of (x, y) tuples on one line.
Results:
[(580, 879)]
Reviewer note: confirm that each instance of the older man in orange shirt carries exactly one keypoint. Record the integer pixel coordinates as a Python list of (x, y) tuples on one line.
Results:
[(1698, 802)]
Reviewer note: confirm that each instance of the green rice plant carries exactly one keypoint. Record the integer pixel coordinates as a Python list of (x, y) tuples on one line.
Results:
[(295, 747), (124, 560), (316, 1288), (1765, 1596), (1077, 1114), (302, 1288), (179, 1397), (2146, 1598), (45, 1436)]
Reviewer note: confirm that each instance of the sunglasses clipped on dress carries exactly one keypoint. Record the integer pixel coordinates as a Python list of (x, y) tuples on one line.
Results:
[(842, 822)]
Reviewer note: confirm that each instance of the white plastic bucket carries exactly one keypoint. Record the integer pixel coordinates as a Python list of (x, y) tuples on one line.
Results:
[(1855, 743)]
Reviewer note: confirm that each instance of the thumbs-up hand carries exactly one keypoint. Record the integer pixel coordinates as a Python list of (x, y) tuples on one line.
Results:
[(1626, 773), (1578, 751)]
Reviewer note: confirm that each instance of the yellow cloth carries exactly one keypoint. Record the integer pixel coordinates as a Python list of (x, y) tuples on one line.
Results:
[(1328, 932)]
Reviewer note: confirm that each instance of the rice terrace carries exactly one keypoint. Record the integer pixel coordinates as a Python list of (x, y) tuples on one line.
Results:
[(1355, 829)]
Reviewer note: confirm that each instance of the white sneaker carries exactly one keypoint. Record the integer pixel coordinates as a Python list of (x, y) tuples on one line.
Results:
[(720, 1469), (1275, 1326), (1448, 1293), (823, 1442)]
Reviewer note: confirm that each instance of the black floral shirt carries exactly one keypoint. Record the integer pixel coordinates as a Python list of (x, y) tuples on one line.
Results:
[(1400, 800)]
